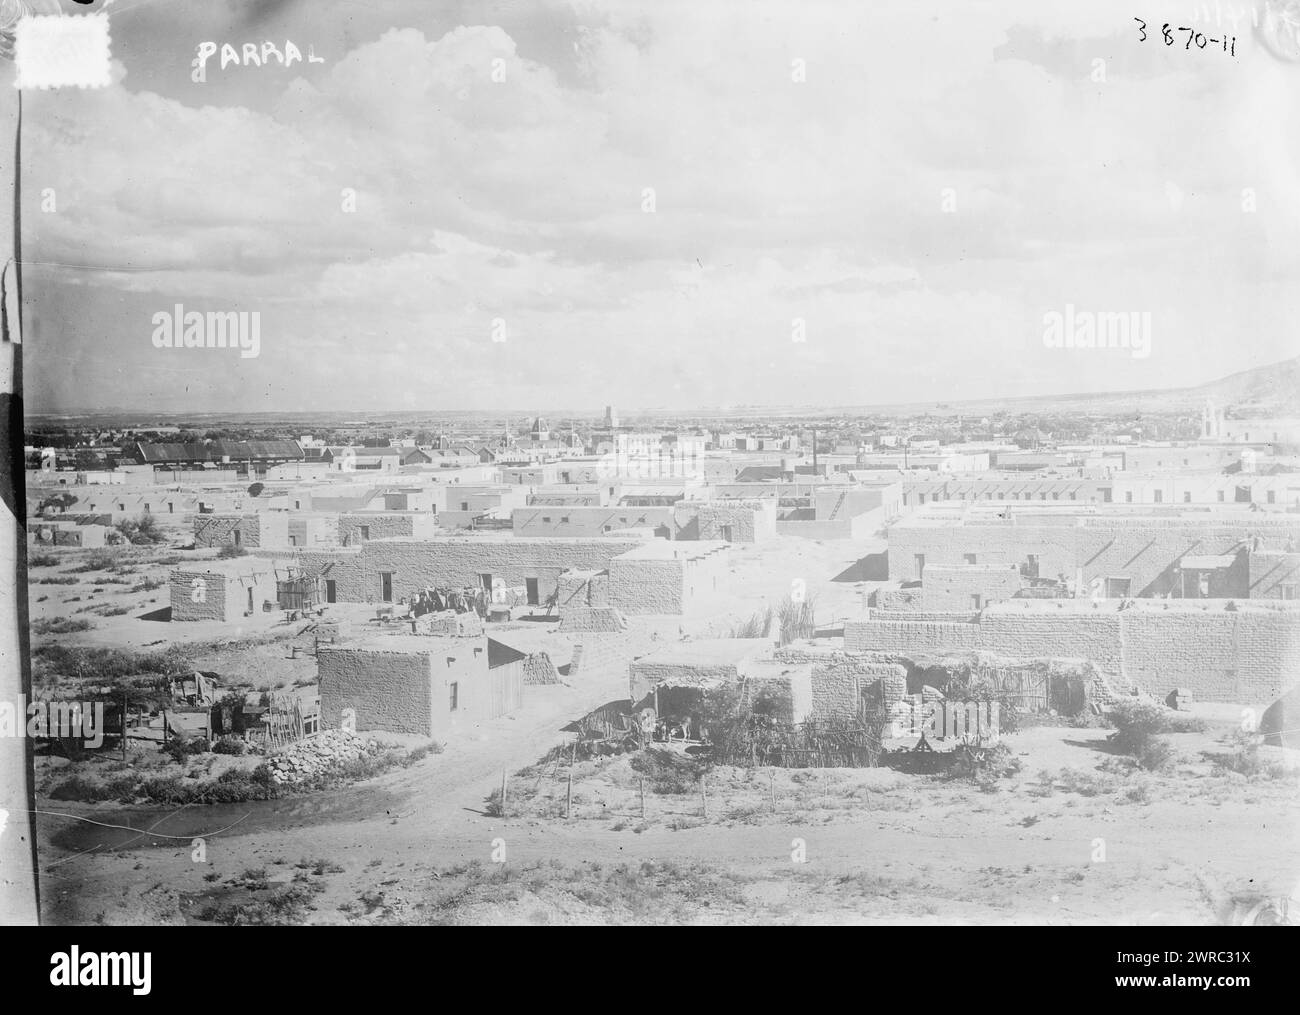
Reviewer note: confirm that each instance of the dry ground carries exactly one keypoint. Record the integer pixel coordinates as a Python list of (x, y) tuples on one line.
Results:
[(1083, 844)]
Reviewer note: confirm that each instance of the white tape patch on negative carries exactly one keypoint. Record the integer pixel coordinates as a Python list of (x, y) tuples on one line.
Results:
[(62, 51)]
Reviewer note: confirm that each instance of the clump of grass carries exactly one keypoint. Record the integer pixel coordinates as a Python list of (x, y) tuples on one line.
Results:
[(60, 625)]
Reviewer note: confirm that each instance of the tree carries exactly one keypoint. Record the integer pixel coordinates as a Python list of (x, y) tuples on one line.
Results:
[(59, 502)]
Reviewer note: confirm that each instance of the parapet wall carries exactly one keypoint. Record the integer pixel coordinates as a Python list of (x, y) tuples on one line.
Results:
[(1244, 656)]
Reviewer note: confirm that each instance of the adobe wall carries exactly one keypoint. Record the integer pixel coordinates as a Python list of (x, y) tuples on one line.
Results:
[(953, 588), (391, 691), (749, 521), (1270, 571), (1094, 635), (1143, 549), (383, 526), (839, 680), (456, 563), (539, 669), (212, 604), (404, 691), (645, 676), (223, 596), (573, 522), (218, 530), (647, 585), (592, 620), (1247, 656), (910, 636), (580, 590)]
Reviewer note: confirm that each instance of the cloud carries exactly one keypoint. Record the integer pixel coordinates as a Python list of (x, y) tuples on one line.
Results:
[(936, 183)]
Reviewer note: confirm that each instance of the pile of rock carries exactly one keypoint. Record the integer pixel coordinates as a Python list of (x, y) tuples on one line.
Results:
[(323, 752)]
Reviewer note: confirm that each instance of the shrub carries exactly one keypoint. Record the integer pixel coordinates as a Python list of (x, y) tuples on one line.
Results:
[(141, 531), (227, 552), (1136, 722), (99, 560), (230, 744), (670, 773), (43, 560), (179, 749), (60, 625)]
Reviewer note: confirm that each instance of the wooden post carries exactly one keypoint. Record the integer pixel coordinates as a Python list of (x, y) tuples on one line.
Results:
[(704, 798), (643, 799), (503, 792), (771, 782), (568, 799), (123, 725)]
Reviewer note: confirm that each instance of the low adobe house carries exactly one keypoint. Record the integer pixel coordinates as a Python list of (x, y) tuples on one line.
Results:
[(714, 676), (428, 686), (227, 590)]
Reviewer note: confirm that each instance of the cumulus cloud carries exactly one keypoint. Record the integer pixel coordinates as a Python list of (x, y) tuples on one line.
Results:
[(931, 186)]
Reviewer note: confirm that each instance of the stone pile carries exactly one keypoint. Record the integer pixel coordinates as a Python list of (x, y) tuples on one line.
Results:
[(318, 755)]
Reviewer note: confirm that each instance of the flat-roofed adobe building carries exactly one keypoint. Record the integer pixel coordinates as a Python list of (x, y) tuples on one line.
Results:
[(428, 686)]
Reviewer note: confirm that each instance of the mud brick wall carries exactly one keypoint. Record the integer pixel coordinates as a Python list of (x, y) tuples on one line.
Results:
[(391, 691), (218, 530), (750, 521), (603, 654), (539, 669), (643, 677), (647, 585), (1270, 572), (577, 521), (224, 597), (1246, 656), (839, 679), (910, 636), (787, 697), (947, 616), (597, 620), (381, 526), (896, 599), (1142, 549), (579, 590), (404, 692), (313, 530), (182, 588), (456, 563), (953, 588), (1069, 635)]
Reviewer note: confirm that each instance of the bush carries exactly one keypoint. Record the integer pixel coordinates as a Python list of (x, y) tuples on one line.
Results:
[(227, 552), (60, 625), (99, 560), (670, 773), (43, 560), (230, 744), (179, 749), (141, 531), (1138, 725)]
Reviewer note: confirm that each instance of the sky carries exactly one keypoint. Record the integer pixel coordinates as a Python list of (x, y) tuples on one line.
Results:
[(659, 203)]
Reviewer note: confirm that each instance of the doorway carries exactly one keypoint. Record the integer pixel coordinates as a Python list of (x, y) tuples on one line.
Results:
[(329, 590), (385, 586), (531, 585)]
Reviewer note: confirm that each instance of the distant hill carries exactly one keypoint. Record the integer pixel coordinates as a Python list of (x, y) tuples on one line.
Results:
[(1272, 390)]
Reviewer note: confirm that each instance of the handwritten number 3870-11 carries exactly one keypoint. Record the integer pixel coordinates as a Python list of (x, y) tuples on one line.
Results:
[(1193, 36)]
